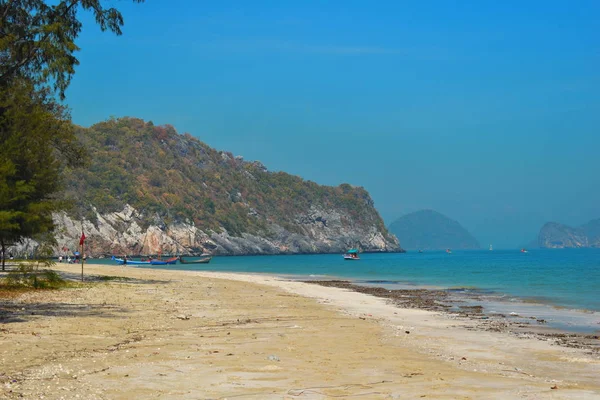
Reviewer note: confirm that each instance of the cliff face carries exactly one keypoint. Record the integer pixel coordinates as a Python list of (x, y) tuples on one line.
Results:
[(557, 236), (148, 190), (430, 230), (123, 233)]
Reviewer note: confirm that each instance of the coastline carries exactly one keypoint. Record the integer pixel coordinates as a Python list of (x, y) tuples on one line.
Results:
[(133, 335), (441, 301)]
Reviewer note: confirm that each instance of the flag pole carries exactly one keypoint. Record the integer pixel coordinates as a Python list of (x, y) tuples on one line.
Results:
[(82, 244)]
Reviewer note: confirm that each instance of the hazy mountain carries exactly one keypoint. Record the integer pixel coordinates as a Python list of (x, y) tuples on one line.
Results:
[(149, 189), (554, 235), (430, 230)]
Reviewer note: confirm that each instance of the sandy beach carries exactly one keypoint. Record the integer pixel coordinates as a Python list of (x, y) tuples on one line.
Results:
[(200, 335)]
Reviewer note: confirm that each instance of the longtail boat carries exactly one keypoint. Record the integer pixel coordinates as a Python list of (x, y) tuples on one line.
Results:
[(170, 261), (122, 261), (204, 260)]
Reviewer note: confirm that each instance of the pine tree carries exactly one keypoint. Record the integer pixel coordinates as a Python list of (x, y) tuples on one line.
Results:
[(37, 61)]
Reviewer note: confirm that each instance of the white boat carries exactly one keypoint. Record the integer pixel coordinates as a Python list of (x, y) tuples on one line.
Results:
[(491, 248)]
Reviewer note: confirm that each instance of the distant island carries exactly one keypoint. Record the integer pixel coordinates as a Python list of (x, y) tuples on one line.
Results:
[(430, 230), (148, 189), (554, 235)]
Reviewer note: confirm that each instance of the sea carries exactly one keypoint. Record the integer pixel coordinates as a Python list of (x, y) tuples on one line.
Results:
[(560, 286)]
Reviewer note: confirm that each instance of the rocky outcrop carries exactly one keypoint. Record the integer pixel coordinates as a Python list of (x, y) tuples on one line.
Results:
[(557, 236), (127, 232)]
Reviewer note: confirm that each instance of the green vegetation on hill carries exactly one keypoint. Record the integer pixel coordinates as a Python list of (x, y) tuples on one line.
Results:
[(170, 178)]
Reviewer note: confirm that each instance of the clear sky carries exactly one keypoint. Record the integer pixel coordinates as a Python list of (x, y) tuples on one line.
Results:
[(486, 111)]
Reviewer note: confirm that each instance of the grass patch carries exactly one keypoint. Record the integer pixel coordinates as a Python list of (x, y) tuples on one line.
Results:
[(10, 292), (27, 277)]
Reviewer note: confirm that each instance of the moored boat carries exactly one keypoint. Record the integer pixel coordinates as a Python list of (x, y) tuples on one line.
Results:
[(122, 261), (169, 261), (204, 260)]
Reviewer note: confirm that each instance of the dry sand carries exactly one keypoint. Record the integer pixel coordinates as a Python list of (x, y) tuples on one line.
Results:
[(199, 335)]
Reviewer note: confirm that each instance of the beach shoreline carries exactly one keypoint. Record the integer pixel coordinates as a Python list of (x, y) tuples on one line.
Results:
[(258, 336), (438, 300)]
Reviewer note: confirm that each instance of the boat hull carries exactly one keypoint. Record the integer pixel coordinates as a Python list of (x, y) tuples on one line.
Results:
[(170, 261), (121, 261), (201, 261)]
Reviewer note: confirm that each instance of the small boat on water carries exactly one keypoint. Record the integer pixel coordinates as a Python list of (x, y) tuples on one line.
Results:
[(204, 260), (448, 251), (122, 261), (351, 254), (491, 248), (523, 250), (169, 261)]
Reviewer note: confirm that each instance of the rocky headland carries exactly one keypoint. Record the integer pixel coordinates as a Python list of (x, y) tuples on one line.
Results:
[(148, 189), (557, 236)]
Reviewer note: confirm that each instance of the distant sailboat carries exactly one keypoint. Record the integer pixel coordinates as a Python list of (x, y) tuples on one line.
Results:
[(491, 248)]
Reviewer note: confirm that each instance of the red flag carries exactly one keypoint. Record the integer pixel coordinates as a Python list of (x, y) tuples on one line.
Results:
[(82, 239)]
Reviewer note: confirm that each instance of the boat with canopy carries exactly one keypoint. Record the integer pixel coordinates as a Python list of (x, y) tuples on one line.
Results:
[(351, 254)]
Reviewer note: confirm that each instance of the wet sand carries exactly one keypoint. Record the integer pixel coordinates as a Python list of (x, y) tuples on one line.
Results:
[(442, 301), (200, 335)]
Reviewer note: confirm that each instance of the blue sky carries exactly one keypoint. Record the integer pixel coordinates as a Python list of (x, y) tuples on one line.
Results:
[(485, 111)]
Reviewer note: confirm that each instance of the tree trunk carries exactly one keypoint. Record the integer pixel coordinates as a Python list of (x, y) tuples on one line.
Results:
[(3, 254)]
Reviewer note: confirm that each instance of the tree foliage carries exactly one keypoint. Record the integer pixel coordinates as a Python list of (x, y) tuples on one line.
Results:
[(37, 46), (37, 39), (36, 135)]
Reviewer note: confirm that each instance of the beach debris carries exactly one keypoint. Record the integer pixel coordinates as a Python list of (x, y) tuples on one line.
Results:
[(183, 316), (554, 387), (407, 332), (273, 357), (464, 358)]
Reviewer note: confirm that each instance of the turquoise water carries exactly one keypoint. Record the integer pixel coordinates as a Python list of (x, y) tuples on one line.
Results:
[(565, 277), (568, 278)]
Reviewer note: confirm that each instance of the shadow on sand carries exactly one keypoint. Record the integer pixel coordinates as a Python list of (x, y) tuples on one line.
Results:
[(13, 310)]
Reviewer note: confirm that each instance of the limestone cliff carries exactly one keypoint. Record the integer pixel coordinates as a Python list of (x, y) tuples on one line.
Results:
[(123, 233)]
